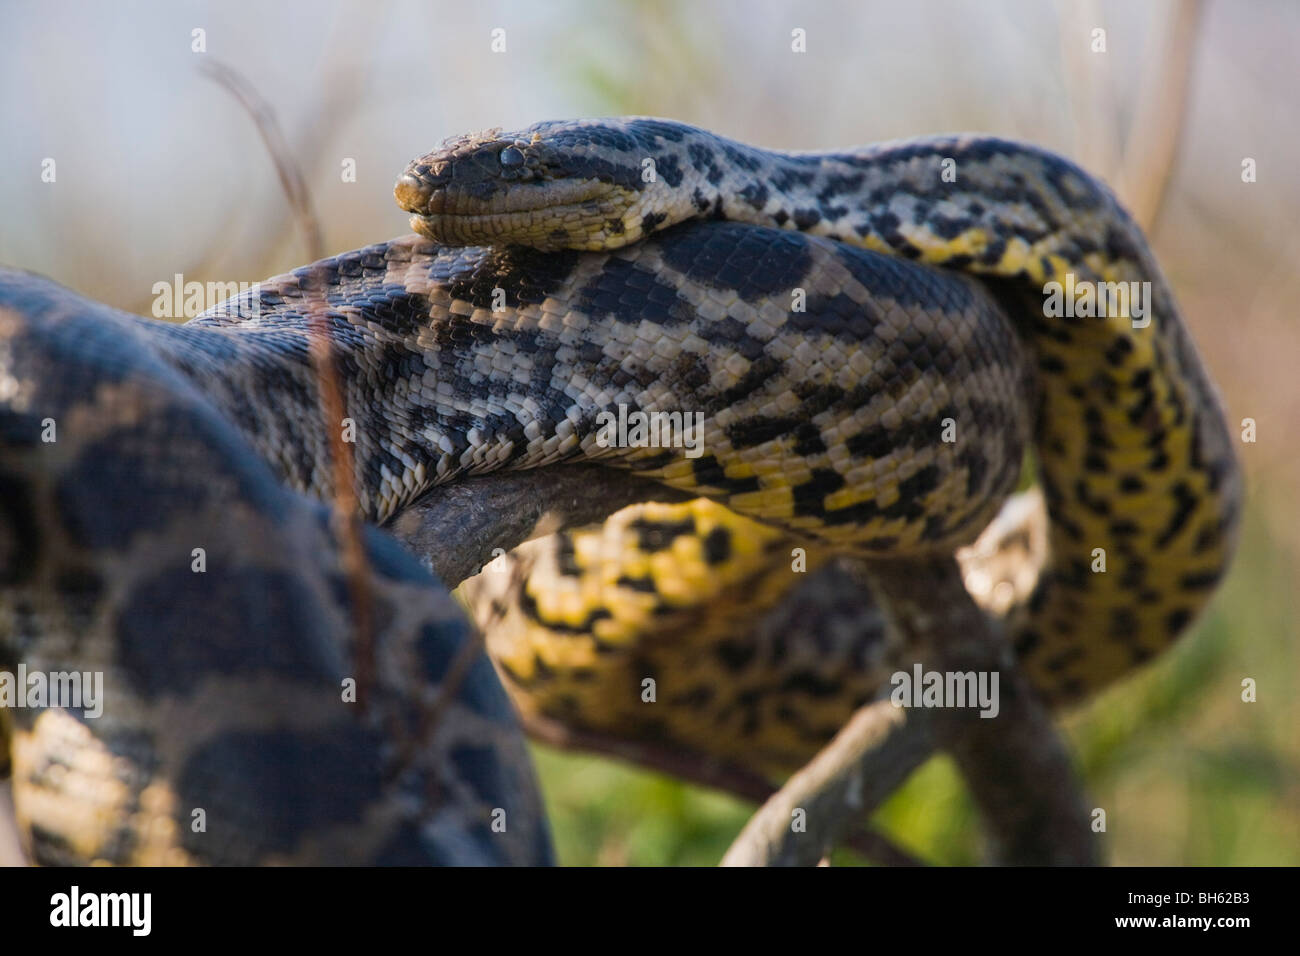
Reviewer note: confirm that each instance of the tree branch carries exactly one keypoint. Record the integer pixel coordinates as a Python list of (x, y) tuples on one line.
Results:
[(1015, 764), (455, 528)]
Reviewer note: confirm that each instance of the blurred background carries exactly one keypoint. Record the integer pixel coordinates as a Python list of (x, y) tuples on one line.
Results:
[(160, 170)]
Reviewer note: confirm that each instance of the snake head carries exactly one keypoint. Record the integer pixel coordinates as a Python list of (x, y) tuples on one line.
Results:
[(557, 185)]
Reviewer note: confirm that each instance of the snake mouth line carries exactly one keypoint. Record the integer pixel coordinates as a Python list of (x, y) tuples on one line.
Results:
[(550, 214), (484, 226), (474, 200)]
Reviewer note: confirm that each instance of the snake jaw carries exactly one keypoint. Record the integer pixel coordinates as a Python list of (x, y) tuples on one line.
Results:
[(559, 214)]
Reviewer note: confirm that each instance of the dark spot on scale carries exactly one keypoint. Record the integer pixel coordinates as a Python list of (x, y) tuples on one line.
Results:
[(1119, 350), (528, 605), (1095, 463), (651, 220), (668, 167), (717, 546), (757, 430), (644, 585), (756, 194), (735, 655), (948, 228), (655, 536), (1177, 620), (1186, 504), (809, 498), (1201, 581), (993, 252), (805, 219), (808, 440), (700, 155), (921, 483)]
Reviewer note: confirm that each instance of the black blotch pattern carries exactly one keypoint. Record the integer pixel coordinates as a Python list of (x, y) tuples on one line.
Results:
[(644, 585), (117, 488), (266, 791), (631, 294), (525, 276), (528, 605), (651, 221), (668, 167), (255, 620), (756, 430), (708, 471), (717, 546), (753, 261), (652, 536)]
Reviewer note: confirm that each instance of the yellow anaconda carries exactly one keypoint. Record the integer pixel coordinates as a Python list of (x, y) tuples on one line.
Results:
[(850, 400), (1132, 451)]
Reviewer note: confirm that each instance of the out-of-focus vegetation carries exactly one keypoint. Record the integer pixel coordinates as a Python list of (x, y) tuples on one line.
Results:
[(159, 172), (1187, 773)]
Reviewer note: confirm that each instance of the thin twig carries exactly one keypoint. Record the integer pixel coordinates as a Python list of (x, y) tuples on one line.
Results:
[(881, 776), (346, 511), (346, 508), (291, 179), (804, 820)]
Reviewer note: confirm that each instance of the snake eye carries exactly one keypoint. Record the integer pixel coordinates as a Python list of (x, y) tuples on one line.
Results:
[(511, 158)]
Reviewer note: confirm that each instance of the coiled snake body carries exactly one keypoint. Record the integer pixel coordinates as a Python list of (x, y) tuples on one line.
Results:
[(828, 368), (1131, 448)]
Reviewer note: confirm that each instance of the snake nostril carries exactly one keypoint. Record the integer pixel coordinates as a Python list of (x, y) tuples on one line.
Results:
[(511, 158), (412, 193)]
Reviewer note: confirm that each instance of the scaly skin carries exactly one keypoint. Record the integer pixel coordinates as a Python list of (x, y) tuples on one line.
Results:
[(1134, 454)]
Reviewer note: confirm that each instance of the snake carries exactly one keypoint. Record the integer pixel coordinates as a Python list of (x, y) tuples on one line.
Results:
[(834, 318), (1130, 445)]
